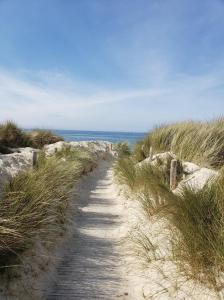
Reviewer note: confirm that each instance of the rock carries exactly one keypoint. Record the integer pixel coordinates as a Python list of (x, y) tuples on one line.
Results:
[(22, 158), (97, 148), (52, 148), (198, 179), (12, 164), (146, 161), (164, 156), (158, 159), (189, 168)]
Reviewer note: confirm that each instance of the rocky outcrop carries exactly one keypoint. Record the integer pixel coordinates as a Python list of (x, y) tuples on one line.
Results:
[(22, 158)]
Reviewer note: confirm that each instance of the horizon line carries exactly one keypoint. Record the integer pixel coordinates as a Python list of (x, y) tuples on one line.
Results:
[(117, 131)]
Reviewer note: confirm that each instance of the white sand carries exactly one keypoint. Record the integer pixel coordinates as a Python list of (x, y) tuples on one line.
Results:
[(101, 262), (98, 261), (93, 265)]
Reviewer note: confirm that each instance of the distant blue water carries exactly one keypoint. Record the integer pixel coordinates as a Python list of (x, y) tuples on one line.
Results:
[(113, 137)]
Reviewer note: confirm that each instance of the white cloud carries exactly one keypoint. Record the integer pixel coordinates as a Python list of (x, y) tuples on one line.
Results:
[(50, 97), (54, 100)]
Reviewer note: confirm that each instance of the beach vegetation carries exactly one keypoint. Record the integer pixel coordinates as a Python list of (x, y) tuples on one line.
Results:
[(40, 137), (11, 136), (122, 149), (33, 204), (198, 142), (195, 216)]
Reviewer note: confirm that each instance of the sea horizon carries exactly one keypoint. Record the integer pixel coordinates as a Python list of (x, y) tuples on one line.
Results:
[(95, 135)]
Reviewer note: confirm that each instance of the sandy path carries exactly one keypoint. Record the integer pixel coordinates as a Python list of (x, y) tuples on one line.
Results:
[(93, 266)]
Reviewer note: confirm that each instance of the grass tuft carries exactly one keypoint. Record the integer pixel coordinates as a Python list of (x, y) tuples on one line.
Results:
[(125, 171), (122, 149), (12, 136), (198, 242), (196, 217), (198, 142), (34, 203), (39, 138)]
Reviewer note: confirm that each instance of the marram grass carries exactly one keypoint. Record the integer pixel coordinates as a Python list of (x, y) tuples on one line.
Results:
[(125, 172), (196, 218), (198, 142), (11, 136), (34, 202)]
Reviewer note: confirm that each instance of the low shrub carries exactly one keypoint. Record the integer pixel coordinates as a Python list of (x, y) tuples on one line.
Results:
[(38, 138), (12, 136)]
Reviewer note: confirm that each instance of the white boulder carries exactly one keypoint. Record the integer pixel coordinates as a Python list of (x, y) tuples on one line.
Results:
[(198, 179), (52, 148), (164, 157), (189, 167), (12, 164), (95, 147), (22, 158)]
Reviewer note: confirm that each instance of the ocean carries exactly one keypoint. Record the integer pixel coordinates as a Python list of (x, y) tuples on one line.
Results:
[(113, 137)]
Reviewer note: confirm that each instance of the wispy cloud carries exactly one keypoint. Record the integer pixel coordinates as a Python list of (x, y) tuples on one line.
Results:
[(55, 100), (27, 98), (123, 66)]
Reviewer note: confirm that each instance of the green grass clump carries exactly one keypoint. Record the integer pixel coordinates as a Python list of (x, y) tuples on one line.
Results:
[(152, 189), (199, 142), (33, 204), (198, 243), (125, 171), (196, 217), (39, 138), (142, 149), (81, 155), (12, 136), (122, 149)]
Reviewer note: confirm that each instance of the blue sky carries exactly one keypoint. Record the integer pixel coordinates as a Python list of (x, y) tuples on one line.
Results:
[(110, 65)]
